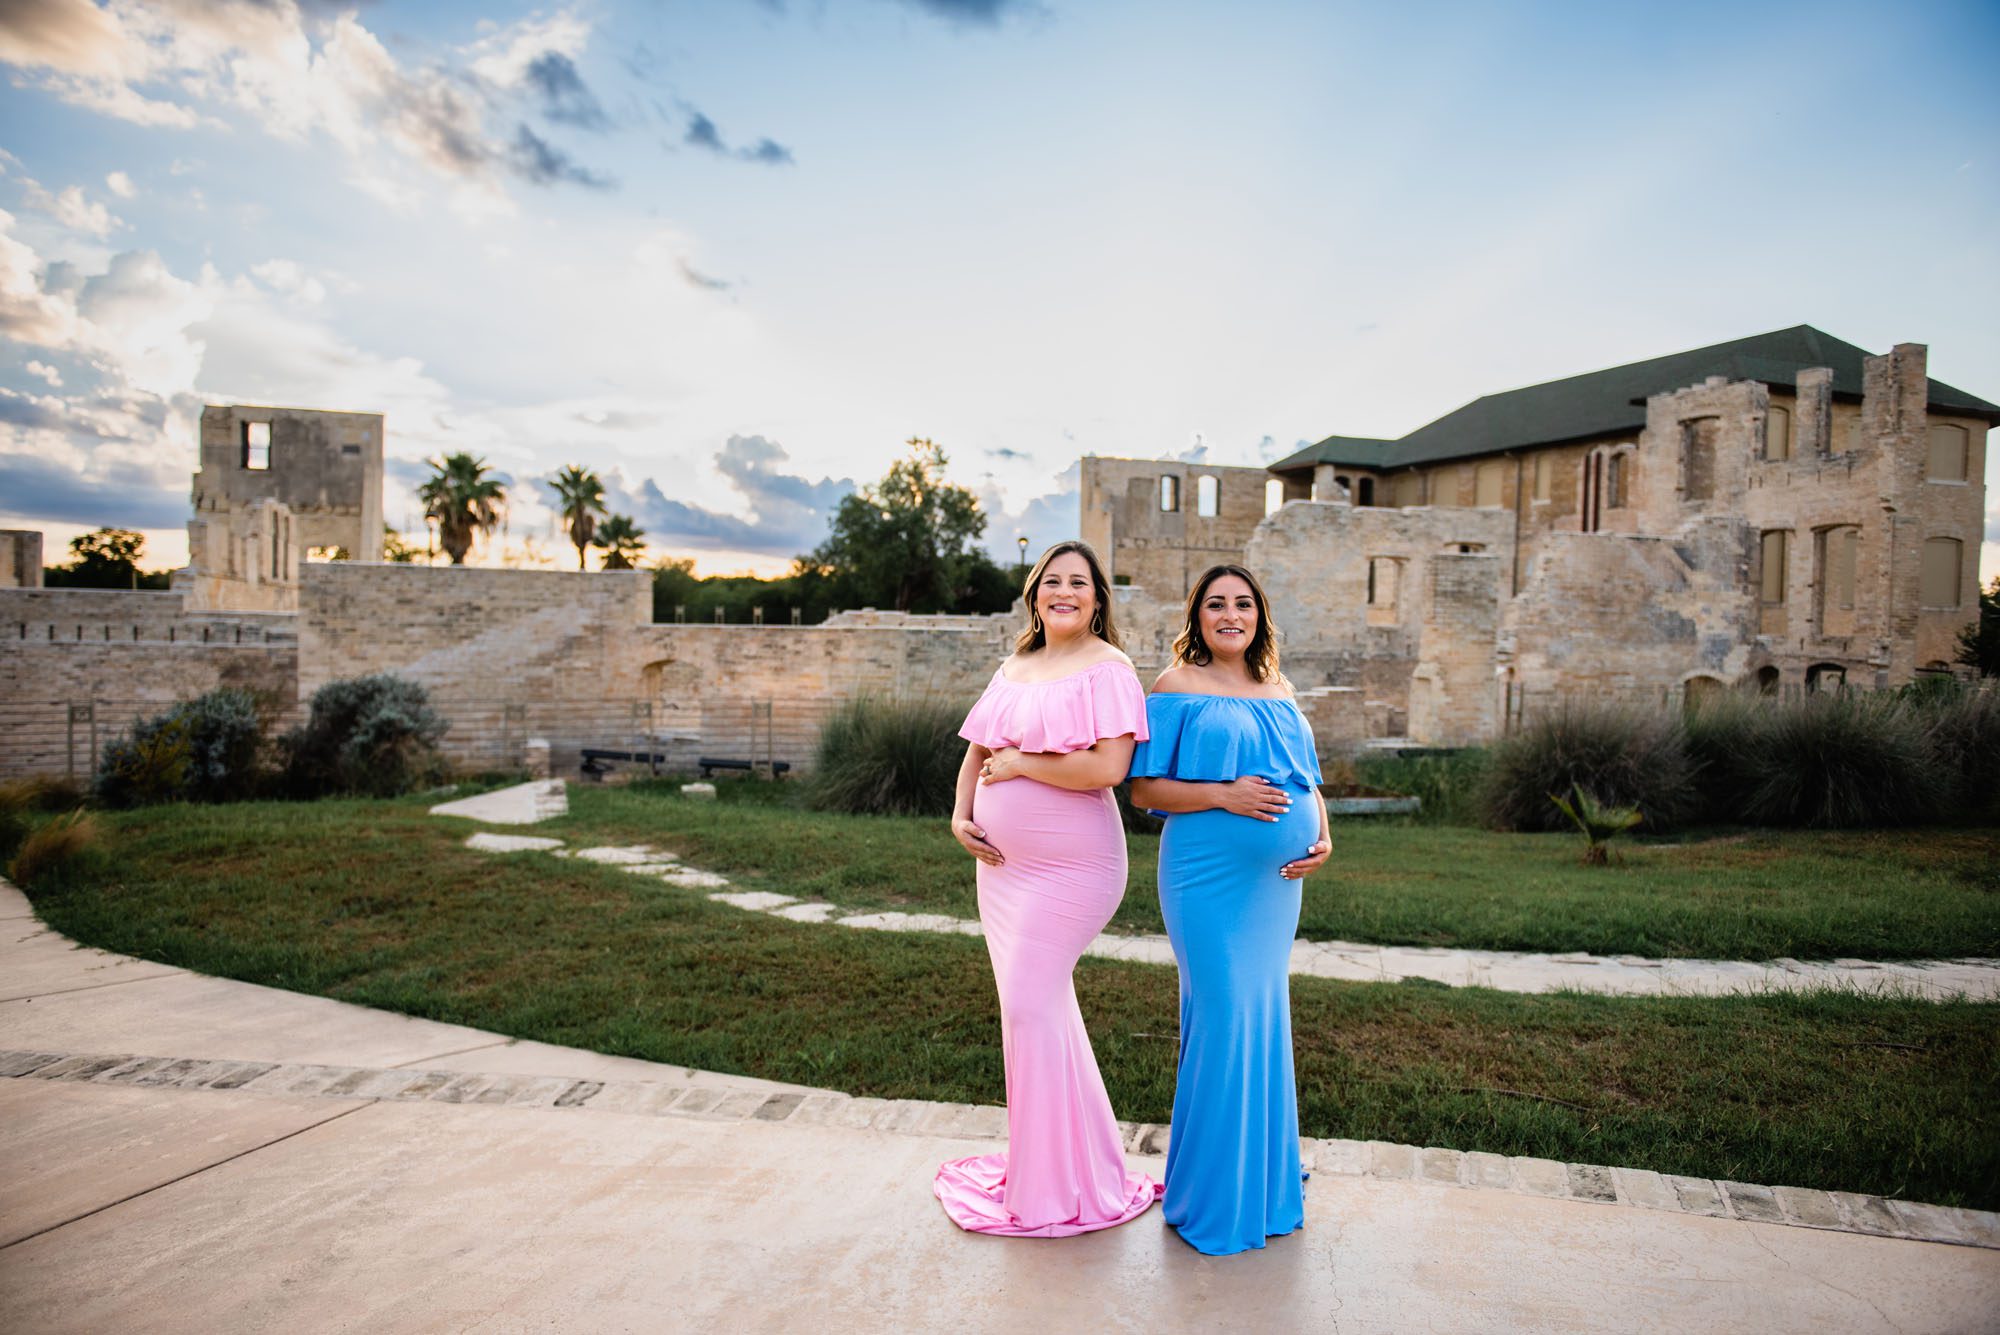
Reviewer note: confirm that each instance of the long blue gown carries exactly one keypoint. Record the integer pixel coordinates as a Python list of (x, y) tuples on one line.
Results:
[(1233, 1157)]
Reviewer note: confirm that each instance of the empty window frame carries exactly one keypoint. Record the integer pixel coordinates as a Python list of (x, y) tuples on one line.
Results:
[(257, 446), (1698, 458), (1614, 481), (1837, 548), (1778, 434), (1943, 572), (1364, 491), (1486, 485), (1382, 572), (1771, 577), (1207, 495), (1948, 452), (1544, 476), (1590, 493), (1170, 494), (1274, 496)]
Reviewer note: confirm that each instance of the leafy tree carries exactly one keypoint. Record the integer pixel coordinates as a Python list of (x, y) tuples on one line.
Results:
[(622, 540), (1979, 643), (907, 542), (463, 500), (107, 558), (580, 497)]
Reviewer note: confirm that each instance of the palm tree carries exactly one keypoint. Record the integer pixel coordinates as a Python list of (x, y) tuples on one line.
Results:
[(622, 540), (463, 501), (581, 493)]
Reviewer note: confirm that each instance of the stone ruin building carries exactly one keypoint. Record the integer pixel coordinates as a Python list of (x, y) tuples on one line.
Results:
[(1782, 511), (1777, 513), (273, 485)]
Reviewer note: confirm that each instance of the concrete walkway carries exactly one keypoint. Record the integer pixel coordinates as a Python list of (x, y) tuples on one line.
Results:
[(181, 1153), (1349, 961)]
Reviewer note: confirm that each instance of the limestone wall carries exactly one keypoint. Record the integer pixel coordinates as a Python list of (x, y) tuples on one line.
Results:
[(1159, 550), (78, 665)]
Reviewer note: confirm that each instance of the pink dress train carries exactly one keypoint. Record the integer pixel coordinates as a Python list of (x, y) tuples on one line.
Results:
[(1063, 1170)]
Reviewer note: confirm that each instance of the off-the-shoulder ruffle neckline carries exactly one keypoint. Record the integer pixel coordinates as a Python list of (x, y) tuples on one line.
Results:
[(1211, 695), (1001, 673)]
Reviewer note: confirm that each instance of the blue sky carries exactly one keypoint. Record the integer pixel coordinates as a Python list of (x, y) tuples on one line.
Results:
[(732, 254)]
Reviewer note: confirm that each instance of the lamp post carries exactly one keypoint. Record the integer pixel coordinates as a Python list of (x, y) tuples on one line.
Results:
[(1022, 543)]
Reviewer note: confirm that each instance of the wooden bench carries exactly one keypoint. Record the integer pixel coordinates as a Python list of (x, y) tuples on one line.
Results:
[(710, 764)]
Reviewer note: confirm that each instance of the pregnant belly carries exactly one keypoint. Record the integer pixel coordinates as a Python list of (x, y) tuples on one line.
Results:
[(1032, 822)]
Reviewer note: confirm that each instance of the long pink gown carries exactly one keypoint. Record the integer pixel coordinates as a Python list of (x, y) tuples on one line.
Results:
[(1063, 1170)]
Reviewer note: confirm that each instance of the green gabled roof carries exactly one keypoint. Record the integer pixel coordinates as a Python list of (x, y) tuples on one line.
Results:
[(1609, 402), (1353, 451)]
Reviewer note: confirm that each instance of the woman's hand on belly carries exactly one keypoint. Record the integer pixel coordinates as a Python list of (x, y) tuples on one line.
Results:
[(968, 833), (1001, 766), (1253, 796), (1315, 857)]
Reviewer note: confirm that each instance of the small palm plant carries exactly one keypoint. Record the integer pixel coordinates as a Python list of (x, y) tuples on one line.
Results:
[(463, 500), (580, 495), (1599, 823), (622, 540)]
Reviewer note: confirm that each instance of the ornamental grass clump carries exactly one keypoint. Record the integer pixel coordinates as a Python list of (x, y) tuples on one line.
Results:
[(1963, 731), (888, 758), (372, 736), (1842, 759), (1598, 823), (52, 850), (1624, 757), (202, 750)]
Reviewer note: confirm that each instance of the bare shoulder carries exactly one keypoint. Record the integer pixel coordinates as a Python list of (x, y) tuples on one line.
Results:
[(1113, 654), (1290, 691), (1179, 678)]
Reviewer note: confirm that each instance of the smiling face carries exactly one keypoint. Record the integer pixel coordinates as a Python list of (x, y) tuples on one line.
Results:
[(1228, 616), (1066, 596)]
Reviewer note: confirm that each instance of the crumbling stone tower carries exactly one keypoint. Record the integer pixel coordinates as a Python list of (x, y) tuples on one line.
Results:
[(273, 486)]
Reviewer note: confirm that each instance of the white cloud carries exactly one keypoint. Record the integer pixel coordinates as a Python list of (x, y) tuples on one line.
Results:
[(290, 276), (72, 208), (290, 73), (121, 185), (46, 372)]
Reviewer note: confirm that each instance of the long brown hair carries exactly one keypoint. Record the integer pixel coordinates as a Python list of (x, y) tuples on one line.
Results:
[(1262, 655), (1101, 625)]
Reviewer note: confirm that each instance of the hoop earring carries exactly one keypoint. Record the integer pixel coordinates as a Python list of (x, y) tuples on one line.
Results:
[(1097, 622), (1034, 623)]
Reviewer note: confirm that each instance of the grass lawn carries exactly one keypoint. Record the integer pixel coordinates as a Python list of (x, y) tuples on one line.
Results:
[(1763, 894), (376, 902)]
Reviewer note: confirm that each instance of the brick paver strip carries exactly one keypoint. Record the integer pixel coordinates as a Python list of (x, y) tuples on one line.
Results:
[(1800, 1207)]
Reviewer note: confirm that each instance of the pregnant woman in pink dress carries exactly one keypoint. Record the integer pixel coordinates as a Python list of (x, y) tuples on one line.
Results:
[(1047, 741)]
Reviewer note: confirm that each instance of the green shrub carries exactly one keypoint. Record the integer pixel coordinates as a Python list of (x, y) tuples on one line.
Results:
[(1621, 757), (201, 750), (888, 757), (372, 736), (52, 849), (1447, 786)]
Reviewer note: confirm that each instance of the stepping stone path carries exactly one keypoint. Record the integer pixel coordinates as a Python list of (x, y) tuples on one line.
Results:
[(1506, 971)]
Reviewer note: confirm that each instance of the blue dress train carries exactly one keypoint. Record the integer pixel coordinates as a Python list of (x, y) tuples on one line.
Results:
[(1233, 1175)]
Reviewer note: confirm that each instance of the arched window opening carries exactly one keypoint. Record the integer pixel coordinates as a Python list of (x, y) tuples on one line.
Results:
[(1274, 496), (1207, 495), (1826, 677), (1698, 691), (1837, 548), (1771, 579), (1943, 570), (1948, 453), (1365, 492), (1778, 434), (1767, 679), (1614, 481), (1170, 494)]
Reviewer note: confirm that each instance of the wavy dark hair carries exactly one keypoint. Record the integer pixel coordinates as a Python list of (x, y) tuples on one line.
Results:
[(1101, 625), (1262, 655)]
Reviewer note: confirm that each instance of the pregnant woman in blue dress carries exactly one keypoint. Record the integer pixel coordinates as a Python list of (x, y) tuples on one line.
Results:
[(1230, 762)]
